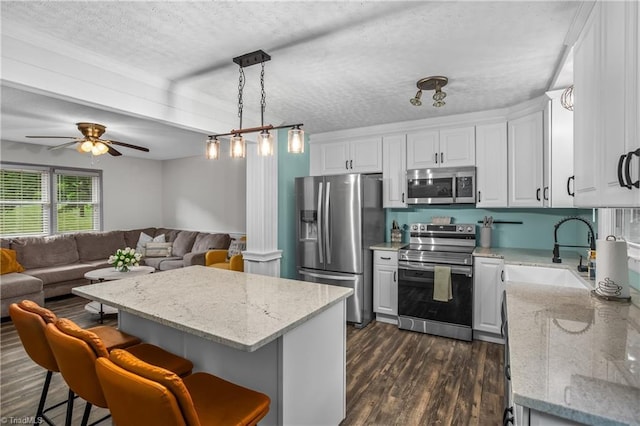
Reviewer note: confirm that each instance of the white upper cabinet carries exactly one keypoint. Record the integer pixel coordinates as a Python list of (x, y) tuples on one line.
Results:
[(394, 171), (558, 154), (525, 148), (607, 135), (362, 155), (441, 148), (491, 165)]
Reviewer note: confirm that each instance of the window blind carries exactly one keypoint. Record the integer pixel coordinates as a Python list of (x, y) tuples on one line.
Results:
[(77, 202), (24, 201)]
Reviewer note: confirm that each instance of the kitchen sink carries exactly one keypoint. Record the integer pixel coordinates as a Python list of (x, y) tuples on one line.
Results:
[(558, 277)]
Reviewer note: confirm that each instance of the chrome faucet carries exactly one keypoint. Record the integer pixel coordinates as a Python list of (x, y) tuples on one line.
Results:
[(556, 246)]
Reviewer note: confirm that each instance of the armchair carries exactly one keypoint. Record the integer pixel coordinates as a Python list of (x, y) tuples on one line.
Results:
[(230, 259)]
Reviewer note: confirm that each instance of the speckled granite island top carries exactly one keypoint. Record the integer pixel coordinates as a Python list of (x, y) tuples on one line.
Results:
[(241, 310), (573, 355)]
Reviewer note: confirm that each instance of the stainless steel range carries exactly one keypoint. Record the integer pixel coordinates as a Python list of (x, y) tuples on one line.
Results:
[(445, 251)]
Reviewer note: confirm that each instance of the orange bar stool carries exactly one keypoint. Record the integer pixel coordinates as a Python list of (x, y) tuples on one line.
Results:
[(139, 393), (30, 320), (76, 351)]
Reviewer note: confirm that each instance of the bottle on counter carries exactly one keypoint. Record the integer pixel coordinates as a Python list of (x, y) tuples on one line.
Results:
[(592, 264)]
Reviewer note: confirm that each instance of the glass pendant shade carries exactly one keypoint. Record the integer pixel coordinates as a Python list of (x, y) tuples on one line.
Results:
[(265, 143), (85, 146), (238, 149), (102, 148), (213, 149), (296, 141)]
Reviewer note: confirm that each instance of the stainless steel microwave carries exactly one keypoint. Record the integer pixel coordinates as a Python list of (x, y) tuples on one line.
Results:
[(446, 185)]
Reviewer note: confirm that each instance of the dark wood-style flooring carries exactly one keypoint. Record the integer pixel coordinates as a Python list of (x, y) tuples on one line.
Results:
[(394, 377)]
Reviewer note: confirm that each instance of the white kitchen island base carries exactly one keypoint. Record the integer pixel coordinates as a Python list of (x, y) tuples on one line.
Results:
[(302, 371)]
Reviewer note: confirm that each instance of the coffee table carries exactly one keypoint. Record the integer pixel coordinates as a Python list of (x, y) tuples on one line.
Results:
[(111, 274)]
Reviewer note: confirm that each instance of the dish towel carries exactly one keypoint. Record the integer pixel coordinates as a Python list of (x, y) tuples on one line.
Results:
[(442, 284)]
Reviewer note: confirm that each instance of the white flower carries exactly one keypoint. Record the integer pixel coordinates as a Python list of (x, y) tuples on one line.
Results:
[(127, 250)]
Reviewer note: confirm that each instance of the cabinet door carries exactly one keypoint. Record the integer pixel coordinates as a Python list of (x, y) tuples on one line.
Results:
[(334, 158), (525, 140), (385, 282), (491, 165), (366, 155), (394, 171), (458, 147), (487, 294), (423, 150), (559, 155)]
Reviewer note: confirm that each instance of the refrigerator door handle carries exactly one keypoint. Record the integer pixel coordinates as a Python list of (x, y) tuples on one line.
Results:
[(329, 277), (320, 247), (327, 223)]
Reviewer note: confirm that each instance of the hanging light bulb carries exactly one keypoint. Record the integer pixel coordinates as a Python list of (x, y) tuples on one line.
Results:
[(85, 146), (265, 143), (102, 148), (213, 149), (238, 149), (296, 140)]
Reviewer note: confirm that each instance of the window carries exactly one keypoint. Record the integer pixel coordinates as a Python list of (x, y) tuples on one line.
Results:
[(42, 200)]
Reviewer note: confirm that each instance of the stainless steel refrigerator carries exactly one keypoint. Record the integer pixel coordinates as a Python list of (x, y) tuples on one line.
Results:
[(339, 218)]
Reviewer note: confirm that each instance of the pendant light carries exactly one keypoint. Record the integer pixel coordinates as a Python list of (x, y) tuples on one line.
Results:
[(265, 138)]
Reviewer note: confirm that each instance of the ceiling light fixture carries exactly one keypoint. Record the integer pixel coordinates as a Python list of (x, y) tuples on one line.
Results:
[(431, 83), (265, 138), (566, 99)]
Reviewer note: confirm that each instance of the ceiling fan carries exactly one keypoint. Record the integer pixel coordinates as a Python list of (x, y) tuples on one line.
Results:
[(91, 142)]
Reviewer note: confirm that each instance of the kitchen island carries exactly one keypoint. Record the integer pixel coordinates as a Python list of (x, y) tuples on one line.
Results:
[(283, 337)]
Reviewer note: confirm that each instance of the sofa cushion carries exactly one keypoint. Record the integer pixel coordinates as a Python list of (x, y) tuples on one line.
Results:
[(131, 237), (169, 234), (236, 247), (156, 261), (183, 242), (16, 285), (205, 242), (141, 245), (37, 252), (60, 273), (99, 245), (171, 264), (8, 262), (153, 249)]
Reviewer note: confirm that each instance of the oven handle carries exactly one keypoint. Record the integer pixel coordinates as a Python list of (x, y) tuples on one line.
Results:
[(410, 266)]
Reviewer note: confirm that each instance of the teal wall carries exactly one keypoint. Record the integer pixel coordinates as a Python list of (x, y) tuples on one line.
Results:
[(634, 279), (536, 230), (290, 166)]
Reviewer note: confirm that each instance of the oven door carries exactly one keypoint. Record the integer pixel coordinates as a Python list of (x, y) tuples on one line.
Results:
[(415, 294)]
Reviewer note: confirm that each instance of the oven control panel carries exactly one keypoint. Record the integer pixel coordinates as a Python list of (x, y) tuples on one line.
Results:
[(453, 229)]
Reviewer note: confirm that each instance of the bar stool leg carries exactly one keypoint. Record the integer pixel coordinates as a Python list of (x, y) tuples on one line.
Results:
[(70, 401), (85, 416), (43, 398)]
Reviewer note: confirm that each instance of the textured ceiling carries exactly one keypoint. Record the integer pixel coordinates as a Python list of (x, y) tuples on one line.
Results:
[(335, 65)]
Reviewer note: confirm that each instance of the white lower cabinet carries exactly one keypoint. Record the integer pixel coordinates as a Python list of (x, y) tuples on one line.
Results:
[(385, 285), (488, 286)]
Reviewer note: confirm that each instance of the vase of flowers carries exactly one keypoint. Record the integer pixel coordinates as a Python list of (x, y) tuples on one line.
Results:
[(125, 259)]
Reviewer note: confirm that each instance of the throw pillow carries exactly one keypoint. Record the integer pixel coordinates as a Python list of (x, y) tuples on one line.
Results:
[(158, 249), (236, 247), (144, 239), (8, 262)]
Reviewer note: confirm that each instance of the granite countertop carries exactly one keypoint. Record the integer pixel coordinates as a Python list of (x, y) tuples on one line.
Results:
[(388, 246), (241, 310), (572, 355)]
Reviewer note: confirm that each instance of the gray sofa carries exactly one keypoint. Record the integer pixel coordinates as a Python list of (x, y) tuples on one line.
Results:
[(54, 265)]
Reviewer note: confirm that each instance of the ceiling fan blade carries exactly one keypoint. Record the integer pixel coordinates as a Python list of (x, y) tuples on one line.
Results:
[(139, 148), (51, 137), (64, 145), (113, 151)]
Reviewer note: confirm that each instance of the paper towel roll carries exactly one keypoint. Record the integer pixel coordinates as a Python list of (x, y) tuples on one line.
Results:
[(612, 270)]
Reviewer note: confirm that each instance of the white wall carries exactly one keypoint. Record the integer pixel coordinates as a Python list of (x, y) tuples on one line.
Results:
[(205, 195), (189, 193)]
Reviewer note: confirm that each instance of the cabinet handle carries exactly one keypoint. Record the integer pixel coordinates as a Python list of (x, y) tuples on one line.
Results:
[(506, 419), (545, 193), (385, 258), (403, 197), (436, 158), (441, 157), (394, 276), (346, 164), (627, 169), (507, 371), (502, 275), (620, 177), (351, 164), (538, 194), (571, 178), (479, 196)]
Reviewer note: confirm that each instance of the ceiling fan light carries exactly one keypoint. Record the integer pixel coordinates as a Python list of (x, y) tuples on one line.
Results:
[(238, 146), (213, 149), (295, 143), (103, 148), (265, 143), (86, 146)]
